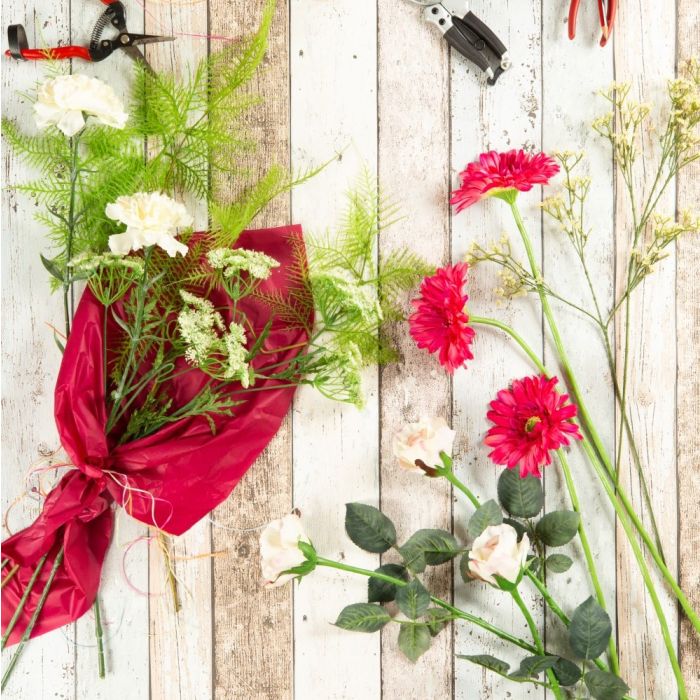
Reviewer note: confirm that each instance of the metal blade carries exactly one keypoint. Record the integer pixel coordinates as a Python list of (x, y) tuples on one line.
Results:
[(135, 54), (141, 39)]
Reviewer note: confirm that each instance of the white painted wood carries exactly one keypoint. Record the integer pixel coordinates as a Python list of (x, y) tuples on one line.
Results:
[(30, 358), (124, 612), (180, 642), (501, 117), (646, 60), (567, 114), (413, 79), (333, 109)]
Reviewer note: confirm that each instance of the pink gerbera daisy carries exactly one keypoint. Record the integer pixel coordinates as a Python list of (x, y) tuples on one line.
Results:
[(530, 420), (440, 322), (496, 172)]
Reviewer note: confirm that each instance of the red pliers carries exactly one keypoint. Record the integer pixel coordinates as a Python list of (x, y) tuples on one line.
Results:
[(99, 48), (606, 13)]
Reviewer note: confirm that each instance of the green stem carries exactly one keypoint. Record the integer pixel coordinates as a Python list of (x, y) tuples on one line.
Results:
[(576, 505), (643, 569), (461, 614), (554, 606), (536, 637), (68, 286), (514, 335), (595, 438), (99, 636), (23, 600), (32, 622)]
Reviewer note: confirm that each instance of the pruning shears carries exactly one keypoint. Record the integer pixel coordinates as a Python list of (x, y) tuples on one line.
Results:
[(97, 50), (606, 15), (468, 35)]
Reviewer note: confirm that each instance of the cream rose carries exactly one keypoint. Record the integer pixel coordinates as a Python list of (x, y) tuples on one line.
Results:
[(151, 218), (279, 549), (497, 552), (424, 441), (67, 100)]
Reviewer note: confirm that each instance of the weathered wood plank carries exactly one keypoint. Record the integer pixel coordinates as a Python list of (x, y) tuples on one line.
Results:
[(688, 386), (502, 117), (30, 357), (252, 626), (124, 612), (414, 127), (569, 108), (334, 108), (646, 59), (180, 641)]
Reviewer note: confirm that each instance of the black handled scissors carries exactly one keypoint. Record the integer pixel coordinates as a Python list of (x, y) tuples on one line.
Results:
[(98, 49), (468, 35)]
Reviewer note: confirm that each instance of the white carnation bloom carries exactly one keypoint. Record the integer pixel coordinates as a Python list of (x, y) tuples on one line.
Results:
[(67, 100), (151, 218), (279, 549)]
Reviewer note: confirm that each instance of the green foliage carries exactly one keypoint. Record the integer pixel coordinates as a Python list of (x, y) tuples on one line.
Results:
[(534, 665), (557, 528), (414, 640), (355, 296), (523, 498), (413, 600), (369, 528), (363, 617), (487, 514), (487, 661), (429, 547), (437, 619), (558, 563), (590, 630), (566, 672), (379, 591), (603, 685)]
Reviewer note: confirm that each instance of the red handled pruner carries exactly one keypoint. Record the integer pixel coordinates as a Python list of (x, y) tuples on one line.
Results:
[(606, 14), (99, 48)]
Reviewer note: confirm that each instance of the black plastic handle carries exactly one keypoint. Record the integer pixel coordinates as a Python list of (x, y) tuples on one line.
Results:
[(482, 30), (456, 39)]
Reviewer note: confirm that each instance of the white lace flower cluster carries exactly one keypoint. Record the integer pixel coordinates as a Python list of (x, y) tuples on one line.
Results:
[(340, 377), (90, 262), (68, 100), (151, 218), (233, 262), (346, 297), (209, 343)]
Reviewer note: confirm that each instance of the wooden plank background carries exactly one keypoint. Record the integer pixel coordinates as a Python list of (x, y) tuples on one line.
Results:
[(371, 82)]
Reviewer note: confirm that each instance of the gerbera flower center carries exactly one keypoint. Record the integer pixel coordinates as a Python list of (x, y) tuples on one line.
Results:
[(531, 423)]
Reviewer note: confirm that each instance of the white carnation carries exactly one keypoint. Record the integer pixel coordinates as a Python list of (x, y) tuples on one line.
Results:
[(151, 218), (68, 100)]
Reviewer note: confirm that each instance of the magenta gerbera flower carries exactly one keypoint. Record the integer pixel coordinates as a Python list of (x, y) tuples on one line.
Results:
[(440, 322), (530, 420), (497, 172)]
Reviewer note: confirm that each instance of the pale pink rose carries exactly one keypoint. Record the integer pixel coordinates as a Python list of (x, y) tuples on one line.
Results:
[(423, 441), (497, 552), (279, 549)]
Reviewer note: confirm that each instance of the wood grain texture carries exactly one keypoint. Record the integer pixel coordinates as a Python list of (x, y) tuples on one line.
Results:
[(688, 387), (30, 358), (646, 60), (567, 114), (502, 117), (253, 656), (414, 129), (334, 111), (124, 617)]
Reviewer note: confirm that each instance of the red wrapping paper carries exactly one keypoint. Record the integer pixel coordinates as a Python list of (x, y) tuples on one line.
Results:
[(170, 479)]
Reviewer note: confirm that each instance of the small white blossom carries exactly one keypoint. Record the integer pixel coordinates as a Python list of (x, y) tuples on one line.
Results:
[(67, 100), (348, 296), (151, 218), (231, 262), (198, 323), (90, 262), (236, 353)]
